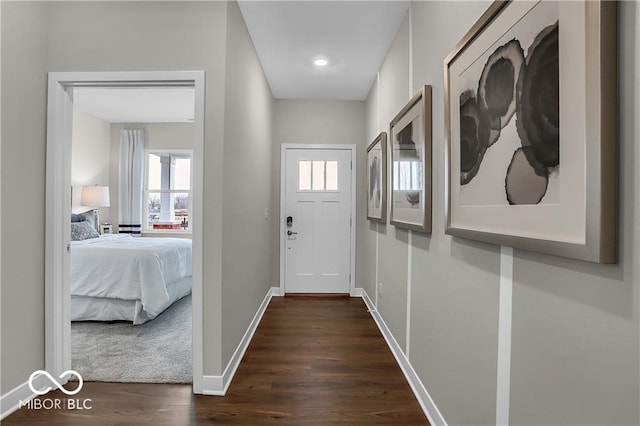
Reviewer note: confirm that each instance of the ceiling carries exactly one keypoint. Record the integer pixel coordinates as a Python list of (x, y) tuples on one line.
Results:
[(354, 36), (137, 105)]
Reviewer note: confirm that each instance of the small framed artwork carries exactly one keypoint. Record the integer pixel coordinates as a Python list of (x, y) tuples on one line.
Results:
[(377, 179), (410, 135), (530, 122)]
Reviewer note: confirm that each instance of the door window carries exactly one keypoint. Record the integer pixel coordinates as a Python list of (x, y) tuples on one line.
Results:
[(317, 176)]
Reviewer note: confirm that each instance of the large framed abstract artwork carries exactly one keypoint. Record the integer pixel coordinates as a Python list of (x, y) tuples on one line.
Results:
[(410, 136), (530, 122), (377, 179)]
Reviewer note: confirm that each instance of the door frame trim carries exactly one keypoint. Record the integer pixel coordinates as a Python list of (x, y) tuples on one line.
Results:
[(352, 250), (58, 205)]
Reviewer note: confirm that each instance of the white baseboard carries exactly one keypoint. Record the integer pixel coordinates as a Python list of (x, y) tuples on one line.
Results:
[(212, 385), (10, 401), (426, 402), (218, 385), (357, 292)]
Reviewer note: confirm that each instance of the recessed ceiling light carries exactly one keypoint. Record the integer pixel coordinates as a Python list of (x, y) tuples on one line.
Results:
[(320, 62)]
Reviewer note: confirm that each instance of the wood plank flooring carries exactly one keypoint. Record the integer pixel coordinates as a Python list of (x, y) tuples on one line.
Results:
[(316, 361)]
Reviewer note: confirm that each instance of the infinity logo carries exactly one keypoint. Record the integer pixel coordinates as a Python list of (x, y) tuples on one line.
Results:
[(55, 382)]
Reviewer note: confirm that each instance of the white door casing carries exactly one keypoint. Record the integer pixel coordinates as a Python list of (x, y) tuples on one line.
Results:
[(58, 204), (317, 196)]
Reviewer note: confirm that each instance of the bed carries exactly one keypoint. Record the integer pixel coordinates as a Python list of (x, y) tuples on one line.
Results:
[(120, 277)]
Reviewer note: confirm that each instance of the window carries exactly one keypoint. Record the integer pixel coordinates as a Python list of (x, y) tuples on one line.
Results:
[(317, 176), (168, 191)]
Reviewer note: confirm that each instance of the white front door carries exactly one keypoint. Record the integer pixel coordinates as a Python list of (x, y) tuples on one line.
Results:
[(317, 213)]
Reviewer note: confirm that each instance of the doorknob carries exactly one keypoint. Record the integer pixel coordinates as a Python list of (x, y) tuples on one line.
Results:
[(290, 232)]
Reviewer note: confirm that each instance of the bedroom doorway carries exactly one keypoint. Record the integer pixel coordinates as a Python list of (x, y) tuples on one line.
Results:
[(58, 228)]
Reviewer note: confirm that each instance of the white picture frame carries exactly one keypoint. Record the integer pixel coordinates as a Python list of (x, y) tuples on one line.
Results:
[(575, 214)]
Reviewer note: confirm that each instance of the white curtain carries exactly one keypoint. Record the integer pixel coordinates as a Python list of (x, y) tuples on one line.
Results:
[(130, 184)]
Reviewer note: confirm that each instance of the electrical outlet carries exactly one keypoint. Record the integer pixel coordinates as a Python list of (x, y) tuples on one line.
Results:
[(380, 289)]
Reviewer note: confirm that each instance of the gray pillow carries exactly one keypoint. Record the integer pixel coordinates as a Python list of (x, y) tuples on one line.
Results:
[(77, 218), (82, 231)]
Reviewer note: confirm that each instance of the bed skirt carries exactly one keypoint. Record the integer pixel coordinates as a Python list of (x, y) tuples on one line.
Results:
[(85, 308)]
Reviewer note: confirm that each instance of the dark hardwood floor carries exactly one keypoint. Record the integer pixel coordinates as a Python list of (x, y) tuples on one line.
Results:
[(316, 361)]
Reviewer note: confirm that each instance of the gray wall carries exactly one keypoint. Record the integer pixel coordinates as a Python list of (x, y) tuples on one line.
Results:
[(108, 36), (366, 260), (128, 36), (454, 307), (394, 91), (24, 87), (574, 355), (119, 36), (246, 261), (575, 339), (575, 324), (90, 144), (316, 122)]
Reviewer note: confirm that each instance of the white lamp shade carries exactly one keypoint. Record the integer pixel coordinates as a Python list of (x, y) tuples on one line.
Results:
[(95, 196)]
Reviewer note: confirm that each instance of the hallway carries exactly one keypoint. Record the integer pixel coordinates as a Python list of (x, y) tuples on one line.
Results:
[(312, 360)]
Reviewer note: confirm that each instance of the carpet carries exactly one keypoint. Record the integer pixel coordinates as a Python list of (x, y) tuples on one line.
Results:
[(158, 351)]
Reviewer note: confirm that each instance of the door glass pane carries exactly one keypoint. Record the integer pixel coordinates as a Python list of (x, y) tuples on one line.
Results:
[(332, 176), (304, 175), (318, 176)]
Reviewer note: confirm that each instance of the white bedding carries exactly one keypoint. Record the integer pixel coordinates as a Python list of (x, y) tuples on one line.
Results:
[(148, 273)]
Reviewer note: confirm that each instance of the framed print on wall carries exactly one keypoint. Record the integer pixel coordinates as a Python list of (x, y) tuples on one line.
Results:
[(530, 122), (377, 179), (410, 135)]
